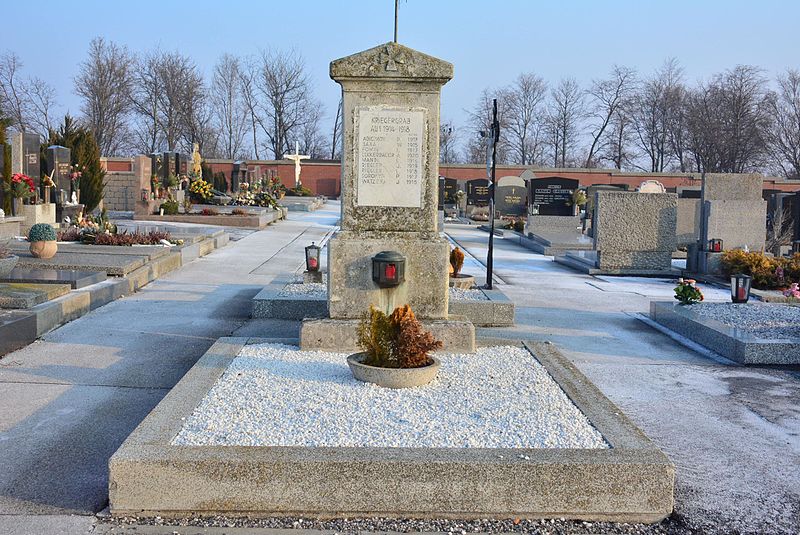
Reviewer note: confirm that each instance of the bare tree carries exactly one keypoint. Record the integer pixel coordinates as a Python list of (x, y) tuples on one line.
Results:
[(780, 231), (40, 99), (784, 136), (229, 109), (607, 97), (656, 105), (618, 139), (524, 118), (247, 77), (12, 96), (448, 138), (336, 137), (729, 121), (309, 135), (104, 84), (480, 122), (565, 113), (146, 99), (283, 91)]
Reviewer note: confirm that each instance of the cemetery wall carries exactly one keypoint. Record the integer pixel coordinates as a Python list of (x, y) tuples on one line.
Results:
[(121, 190)]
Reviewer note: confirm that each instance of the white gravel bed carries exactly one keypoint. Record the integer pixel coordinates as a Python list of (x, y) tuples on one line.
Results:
[(320, 290), (461, 294), (277, 395), (769, 321), (311, 289)]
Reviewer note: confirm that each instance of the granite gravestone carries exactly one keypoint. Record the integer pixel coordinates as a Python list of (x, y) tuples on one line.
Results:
[(447, 191), (170, 164), (478, 192), (510, 197), (238, 175), (183, 161), (551, 196), (58, 164), (796, 216), (157, 165), (25, 155), (390, 180)]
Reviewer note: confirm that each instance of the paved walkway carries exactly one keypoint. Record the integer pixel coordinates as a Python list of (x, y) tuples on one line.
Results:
[(69, 400)]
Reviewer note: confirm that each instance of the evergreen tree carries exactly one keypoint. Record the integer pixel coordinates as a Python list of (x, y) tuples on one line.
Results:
[(85, 157), (5, 171)]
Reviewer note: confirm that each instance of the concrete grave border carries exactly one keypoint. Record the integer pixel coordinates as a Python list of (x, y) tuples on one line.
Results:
[(497, 310), (633, 481), (737, 345)]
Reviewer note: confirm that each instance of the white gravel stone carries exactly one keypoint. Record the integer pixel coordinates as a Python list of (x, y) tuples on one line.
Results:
[(763, 320), (461, 294), (312, 289), (277, 395)]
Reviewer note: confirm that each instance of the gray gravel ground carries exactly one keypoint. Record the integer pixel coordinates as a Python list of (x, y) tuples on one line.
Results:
[(670, 526), (769, 321)]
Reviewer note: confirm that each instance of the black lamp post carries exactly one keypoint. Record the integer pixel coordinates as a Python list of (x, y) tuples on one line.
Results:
[(740, 288), (715, 246), (312, 257)]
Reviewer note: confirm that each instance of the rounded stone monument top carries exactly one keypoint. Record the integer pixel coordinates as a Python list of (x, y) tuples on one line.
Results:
[(391, 61)]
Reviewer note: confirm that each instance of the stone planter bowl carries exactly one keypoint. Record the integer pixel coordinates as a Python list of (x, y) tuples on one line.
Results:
[(465, 282), (44, 249), (392, 377), (7, 264)]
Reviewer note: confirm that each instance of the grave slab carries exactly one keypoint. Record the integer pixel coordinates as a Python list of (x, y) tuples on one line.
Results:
[(76, 279), (118, 265), (631, 481), (17, 329), (24, 295)]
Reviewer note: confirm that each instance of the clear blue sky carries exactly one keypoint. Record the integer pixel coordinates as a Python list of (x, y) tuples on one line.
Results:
[(488, 42)]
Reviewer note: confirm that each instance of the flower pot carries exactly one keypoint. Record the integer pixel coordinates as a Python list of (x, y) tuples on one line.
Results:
[(463, 281), (392, 377), (44, 249), (6, 265), (16, 206)]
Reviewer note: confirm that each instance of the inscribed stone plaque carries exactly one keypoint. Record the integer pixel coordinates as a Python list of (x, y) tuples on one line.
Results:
[(510, 200), (551, 196), (478, 192), (390, 155)]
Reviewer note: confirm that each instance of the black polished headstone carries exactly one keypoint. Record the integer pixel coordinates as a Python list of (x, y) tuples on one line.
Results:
[(157, 164), (238, 175), (478, 192), (511, 200), (31, 165), (76, 279), (170, 163), (552, 196), (58, 160), (182, 164)]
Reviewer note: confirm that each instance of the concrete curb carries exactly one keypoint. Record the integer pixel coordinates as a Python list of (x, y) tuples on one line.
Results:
[(731, 343), (632, 481)]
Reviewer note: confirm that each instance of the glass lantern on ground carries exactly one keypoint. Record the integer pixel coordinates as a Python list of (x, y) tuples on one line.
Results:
[(740, 288), (715, 246), (312, 257)]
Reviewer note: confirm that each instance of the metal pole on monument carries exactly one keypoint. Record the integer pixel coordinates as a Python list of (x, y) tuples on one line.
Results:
[(495, 136)]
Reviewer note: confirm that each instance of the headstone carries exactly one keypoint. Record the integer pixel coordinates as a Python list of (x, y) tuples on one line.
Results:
[(734, 211), (634, 232), (478, 192), (170, 164), (182, 163), (390, 182), (796, 216), (25, 155), (157, 164), (447, 191), (689, 192), (651, 186), (511, 197), (551, 196), (58, 163), (238, 175)]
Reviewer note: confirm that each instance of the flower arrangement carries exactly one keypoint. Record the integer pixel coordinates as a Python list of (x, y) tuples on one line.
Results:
[(395, 341), (579, 197), (20, 186), (456, 261), (201, 189), (86, 229), (170, 207), (687, 292), (793, 291), (75, 174), (47, 181)]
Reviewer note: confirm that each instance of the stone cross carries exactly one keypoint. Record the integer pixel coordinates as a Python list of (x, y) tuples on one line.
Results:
[(296, 157)]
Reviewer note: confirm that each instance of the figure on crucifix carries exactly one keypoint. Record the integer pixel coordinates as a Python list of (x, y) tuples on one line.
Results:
[(296, 157)]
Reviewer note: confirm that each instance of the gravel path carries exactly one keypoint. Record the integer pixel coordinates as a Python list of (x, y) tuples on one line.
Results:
[(498, 397), (768, 321)]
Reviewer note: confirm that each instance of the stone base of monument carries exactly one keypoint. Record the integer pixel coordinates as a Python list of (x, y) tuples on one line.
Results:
[(462, 281), (589, 263), (456, 334), (626, 479), (556, 243)]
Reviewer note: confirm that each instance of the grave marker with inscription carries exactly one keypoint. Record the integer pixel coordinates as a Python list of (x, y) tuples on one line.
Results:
[(478, 192), (551, 196), (58, 163)]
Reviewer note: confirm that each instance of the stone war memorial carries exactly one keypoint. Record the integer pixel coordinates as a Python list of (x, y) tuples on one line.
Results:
[(471, 429)]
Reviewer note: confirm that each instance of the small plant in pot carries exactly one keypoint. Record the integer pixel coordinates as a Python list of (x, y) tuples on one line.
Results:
[(43, 240), (7, 260), (395, 350), (458, 279)]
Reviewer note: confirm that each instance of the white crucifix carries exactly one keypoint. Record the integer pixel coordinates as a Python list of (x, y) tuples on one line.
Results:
[(296, 157)]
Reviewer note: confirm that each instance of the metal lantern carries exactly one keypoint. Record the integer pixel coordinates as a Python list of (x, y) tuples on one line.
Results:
[(388, 269), (740, 288), (145, 195), (312, 257), (715, 246)]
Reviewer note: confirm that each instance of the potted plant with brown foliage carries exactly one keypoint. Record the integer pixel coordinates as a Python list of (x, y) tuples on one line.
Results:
[(458, 279), (395, 350)]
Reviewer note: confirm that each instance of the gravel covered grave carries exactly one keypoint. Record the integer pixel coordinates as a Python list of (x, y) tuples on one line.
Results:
[(320, 290), (768, 321), (277, 395)]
